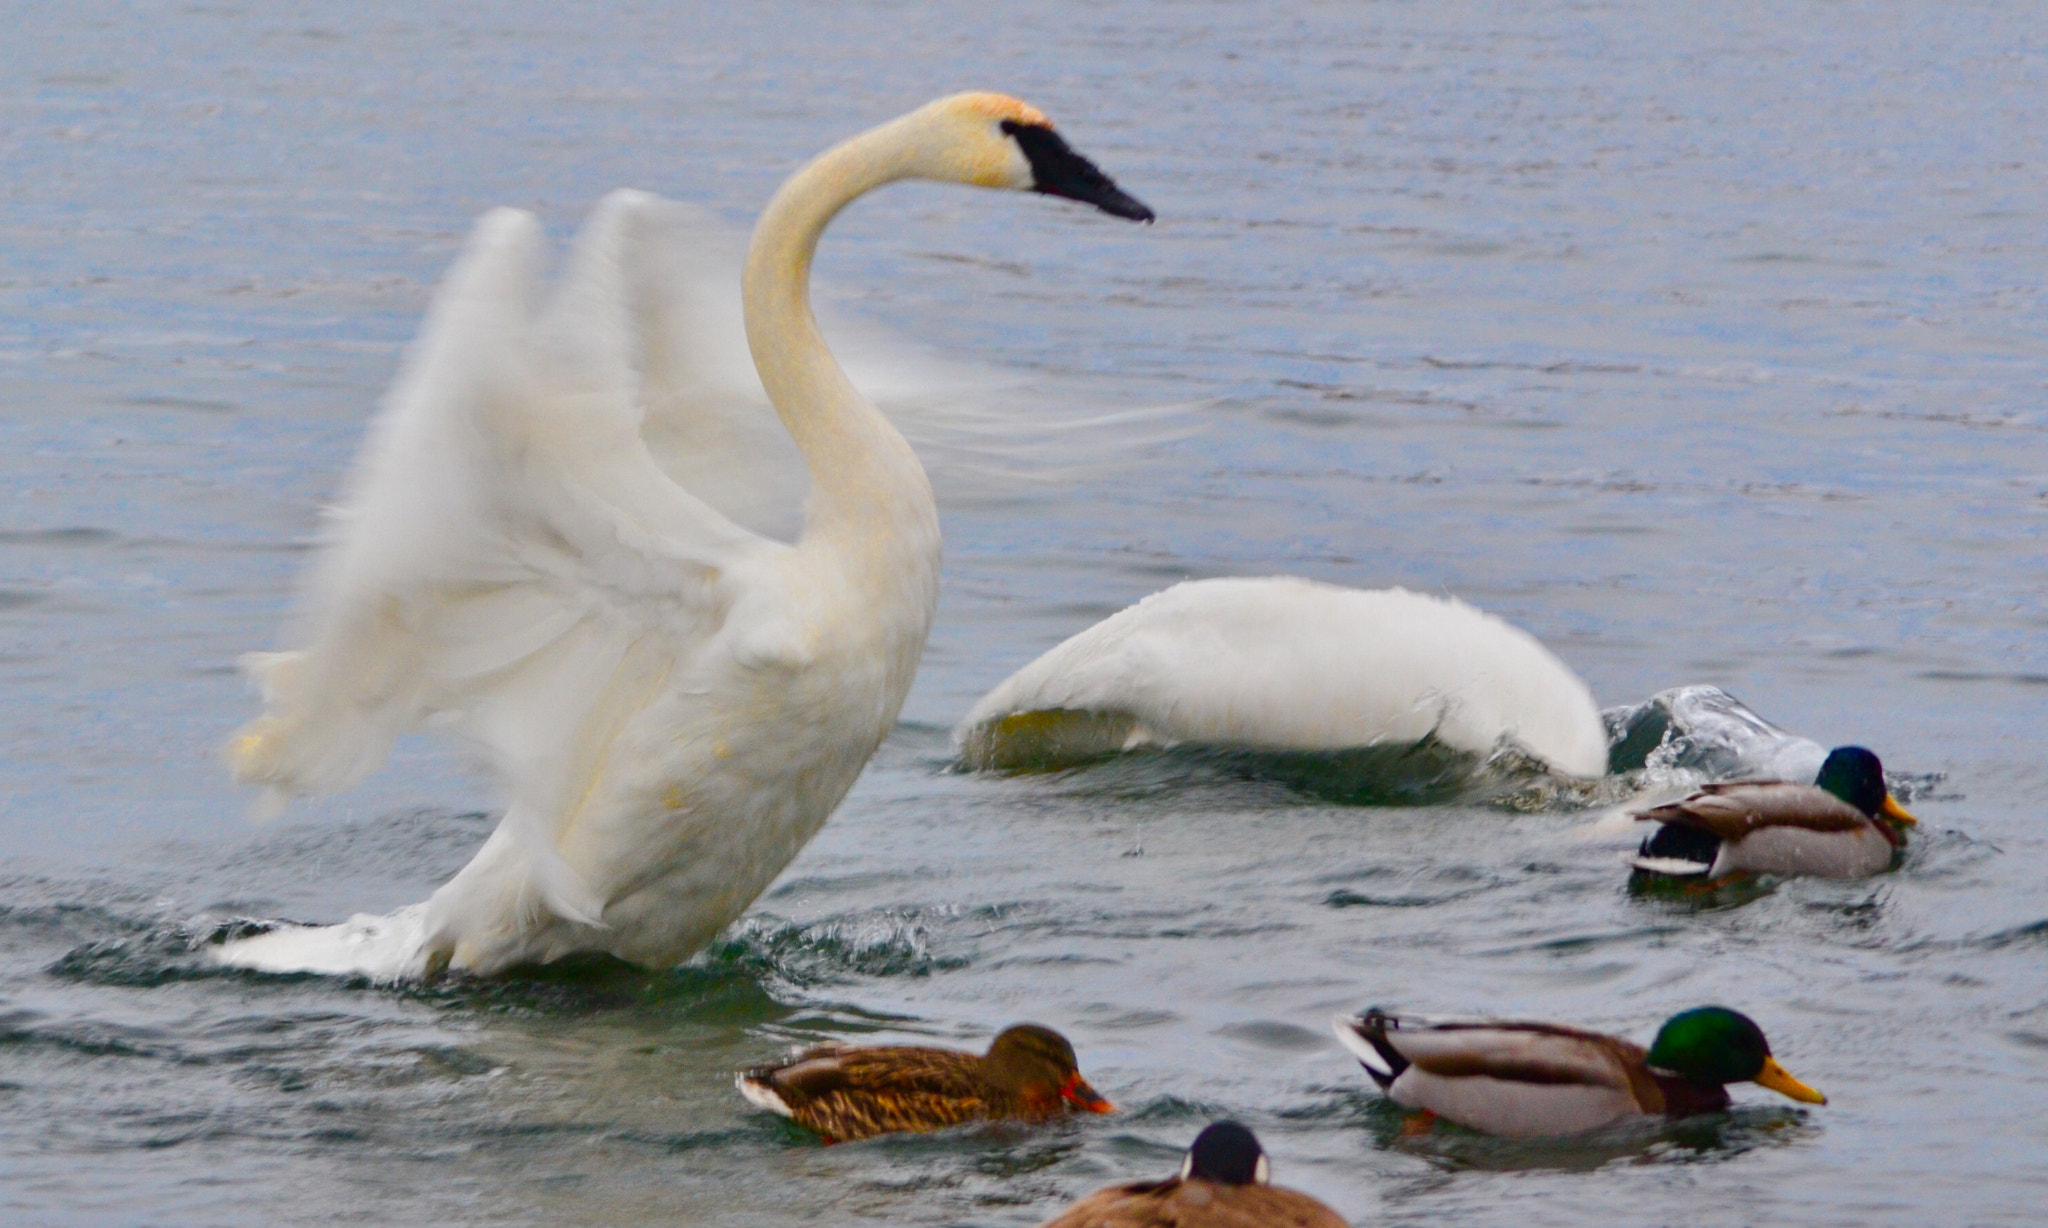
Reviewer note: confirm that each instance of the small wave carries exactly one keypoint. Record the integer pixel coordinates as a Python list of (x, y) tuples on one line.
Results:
[(67, 921), (76, 536), (2032, 934), (894, 942), (731, 979), (25, 1029), (155, 953), (1345, 898)]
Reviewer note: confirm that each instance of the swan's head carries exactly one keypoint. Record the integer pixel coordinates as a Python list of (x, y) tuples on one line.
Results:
[(995, 141)]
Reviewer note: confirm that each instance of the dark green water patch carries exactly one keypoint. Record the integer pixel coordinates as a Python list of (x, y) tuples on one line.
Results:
[(709, 993), (1698, 895), (1425, 773)]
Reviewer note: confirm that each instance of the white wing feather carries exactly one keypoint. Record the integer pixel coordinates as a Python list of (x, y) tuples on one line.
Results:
[(510, 560)]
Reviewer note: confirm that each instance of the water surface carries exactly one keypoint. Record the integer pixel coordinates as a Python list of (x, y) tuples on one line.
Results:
[(1707, 347)]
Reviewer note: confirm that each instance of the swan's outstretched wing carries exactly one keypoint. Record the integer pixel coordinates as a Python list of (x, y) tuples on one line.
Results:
[(981, 433), (706, 419), (509, 559)]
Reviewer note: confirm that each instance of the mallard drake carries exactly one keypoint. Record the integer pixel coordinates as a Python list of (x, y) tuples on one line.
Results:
[(1527, 1080), (1843, 825), (848, 1092), (1221, 1184)]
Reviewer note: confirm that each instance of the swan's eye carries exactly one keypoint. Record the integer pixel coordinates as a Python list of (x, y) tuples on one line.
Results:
[(1057, 170)]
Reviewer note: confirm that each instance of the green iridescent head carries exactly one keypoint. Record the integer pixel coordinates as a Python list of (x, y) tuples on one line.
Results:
[(1713, 1045), (1854, 775)]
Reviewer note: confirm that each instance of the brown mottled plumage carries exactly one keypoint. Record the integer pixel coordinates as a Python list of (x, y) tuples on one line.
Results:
[(848, 1092), (1222, 1184)]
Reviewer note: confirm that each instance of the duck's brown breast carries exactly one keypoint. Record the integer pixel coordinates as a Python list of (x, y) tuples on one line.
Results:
[(1196, 1204)]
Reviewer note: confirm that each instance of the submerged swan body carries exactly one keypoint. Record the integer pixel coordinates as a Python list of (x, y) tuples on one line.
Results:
[(672, 703), (1291, 665)]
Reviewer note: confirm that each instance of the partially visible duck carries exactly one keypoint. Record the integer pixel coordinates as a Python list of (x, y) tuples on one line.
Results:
[(1221, 1184), (1843, 825), (1528, 1080), (847, 1092)]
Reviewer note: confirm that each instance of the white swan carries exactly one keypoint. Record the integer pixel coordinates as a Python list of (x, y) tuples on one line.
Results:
[(672, 703), (1293, 665)]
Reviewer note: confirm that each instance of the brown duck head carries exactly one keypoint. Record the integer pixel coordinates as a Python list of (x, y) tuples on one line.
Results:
[(1034, 1068)]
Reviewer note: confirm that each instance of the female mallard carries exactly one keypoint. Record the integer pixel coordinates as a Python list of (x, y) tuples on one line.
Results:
[(1526, 1080), (1843, 825), (848, 1092), (1221, 1184)]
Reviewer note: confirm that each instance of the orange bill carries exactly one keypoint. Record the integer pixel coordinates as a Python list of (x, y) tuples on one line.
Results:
[(1077, 1091), (1780, 1080), (1895, 812)]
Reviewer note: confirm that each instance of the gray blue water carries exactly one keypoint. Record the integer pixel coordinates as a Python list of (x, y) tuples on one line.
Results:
[(1706, 342)]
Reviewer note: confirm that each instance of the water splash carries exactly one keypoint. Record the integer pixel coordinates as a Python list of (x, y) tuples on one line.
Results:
[(1704, 733)]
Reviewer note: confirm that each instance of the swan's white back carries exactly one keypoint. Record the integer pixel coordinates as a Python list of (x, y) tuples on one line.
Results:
[(1288, 664)]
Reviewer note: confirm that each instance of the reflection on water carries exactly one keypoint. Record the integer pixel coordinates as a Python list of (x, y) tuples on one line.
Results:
[(1710, 1137)]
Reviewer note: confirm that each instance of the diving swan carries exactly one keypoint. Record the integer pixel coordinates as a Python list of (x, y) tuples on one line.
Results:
[(1284, 664), (671, 703)]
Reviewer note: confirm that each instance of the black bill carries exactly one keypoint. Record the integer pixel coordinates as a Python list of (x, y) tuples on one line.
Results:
[(1057, 170)]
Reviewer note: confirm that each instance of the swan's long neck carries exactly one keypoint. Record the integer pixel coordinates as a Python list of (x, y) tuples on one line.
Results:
[(865, 481)]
